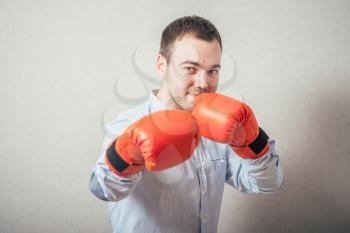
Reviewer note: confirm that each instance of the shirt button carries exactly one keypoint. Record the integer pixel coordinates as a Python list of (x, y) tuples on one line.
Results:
[(204, 220), (204, 192)]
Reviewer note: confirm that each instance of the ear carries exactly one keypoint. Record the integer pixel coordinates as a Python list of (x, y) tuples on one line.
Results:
[(161, 65)]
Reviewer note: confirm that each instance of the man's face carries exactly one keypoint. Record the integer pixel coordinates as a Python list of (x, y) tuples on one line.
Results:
[(193, 69)]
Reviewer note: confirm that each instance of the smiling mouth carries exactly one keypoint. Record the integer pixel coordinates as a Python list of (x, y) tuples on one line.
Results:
[(195, 95)]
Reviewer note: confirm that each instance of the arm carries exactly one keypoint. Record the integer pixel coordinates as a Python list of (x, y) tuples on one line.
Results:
[(262, 175), (252, 160), (104, 184), (157, 141)]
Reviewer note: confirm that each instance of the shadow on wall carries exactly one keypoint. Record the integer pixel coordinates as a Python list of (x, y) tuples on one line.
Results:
[(316, 163), (317, 186)]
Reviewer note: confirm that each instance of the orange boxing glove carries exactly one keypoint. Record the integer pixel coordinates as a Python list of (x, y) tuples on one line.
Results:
[(158, 141), (227, 120)]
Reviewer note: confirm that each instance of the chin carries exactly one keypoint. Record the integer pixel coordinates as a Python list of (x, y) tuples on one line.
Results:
[(188, 108), (188, 105), (190, 98)]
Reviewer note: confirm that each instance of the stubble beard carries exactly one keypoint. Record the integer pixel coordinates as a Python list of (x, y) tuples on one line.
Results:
[(177, 101)]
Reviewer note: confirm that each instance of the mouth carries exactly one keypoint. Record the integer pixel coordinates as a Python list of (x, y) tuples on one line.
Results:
[(194, 95)]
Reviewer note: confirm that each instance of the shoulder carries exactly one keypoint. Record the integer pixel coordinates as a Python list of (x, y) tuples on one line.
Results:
[(125, 118)]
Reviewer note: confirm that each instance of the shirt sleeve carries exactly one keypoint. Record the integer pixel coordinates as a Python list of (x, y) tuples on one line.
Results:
[(104, 184), (262, 175)]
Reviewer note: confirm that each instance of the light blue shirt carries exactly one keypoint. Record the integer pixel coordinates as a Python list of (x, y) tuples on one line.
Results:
[(184, 198)]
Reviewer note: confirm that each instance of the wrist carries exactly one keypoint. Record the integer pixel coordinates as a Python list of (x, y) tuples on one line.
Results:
[(118, 164), (255, 149)]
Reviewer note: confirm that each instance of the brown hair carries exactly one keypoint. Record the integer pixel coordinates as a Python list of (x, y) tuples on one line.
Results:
[(201, 28)]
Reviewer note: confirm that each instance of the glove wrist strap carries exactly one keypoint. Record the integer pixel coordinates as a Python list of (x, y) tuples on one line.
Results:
[(118, 165), (255, 149)]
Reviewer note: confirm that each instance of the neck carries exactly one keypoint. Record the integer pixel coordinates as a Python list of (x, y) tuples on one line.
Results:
[(165, 98)]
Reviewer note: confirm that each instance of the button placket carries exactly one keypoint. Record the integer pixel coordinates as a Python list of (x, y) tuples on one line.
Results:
[(203, 188)]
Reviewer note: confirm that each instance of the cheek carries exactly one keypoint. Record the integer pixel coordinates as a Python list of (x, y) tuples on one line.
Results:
[(213, 82), (180, 81), (188, 82), (183, 82)]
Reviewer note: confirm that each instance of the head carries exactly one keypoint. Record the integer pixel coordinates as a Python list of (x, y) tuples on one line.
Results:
[(188, 61)]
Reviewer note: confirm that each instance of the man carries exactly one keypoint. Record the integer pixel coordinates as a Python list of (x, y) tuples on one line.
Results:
[(164, 163)]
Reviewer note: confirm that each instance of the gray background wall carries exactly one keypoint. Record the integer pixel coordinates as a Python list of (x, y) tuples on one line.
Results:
[(59, 61)]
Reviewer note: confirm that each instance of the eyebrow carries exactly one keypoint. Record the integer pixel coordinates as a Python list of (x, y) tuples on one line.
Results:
[(197, 64)]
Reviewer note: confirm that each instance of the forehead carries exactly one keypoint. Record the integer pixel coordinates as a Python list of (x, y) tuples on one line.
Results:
[(197, 50)]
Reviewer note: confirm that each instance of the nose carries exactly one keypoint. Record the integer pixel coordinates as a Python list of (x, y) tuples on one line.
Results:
[(201, 80)]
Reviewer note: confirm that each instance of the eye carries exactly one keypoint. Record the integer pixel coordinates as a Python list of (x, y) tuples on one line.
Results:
[(190, 69), (213, 72)]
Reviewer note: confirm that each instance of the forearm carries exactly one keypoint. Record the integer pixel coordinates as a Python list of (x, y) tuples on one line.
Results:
[(262, 175), (107, 186)]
